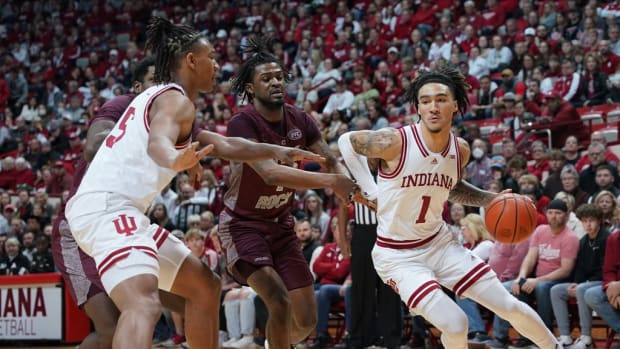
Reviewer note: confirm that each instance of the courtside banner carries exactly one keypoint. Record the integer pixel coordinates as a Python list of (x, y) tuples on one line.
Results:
[(31, 312)]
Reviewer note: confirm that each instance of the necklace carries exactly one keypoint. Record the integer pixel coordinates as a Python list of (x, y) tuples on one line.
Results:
[(593, 244)]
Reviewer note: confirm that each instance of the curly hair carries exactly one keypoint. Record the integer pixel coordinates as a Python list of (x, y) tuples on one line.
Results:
[(447, 76)]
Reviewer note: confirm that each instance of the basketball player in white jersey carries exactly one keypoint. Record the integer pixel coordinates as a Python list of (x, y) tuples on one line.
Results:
[(150, 143), (415, 252)]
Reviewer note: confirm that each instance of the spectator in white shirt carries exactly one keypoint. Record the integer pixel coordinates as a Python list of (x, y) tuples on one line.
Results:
[(341, 99), (440, 49), (498, 56), (478, 66)]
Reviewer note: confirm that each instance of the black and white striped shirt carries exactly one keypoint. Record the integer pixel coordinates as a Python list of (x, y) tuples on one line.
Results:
[(364, 215)]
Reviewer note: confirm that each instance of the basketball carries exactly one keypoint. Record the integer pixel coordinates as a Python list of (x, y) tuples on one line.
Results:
[(511, 218)]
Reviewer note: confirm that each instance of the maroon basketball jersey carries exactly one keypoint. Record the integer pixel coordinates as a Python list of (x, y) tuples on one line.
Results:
[(248, 196)]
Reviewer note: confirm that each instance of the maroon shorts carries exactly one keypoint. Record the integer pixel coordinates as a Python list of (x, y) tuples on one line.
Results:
[(264, 243), (77, 268)]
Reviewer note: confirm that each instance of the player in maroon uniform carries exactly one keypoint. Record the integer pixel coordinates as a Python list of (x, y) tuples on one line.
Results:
[(256, 226)]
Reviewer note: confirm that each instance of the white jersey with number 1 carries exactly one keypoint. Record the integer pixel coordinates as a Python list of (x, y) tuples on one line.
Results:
[(412, 197), (123, 155)]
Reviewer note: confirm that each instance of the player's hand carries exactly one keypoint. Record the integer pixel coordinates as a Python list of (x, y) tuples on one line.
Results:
[(289, 156), (359, 197), (190, 156), (344, 189), (195, 174)]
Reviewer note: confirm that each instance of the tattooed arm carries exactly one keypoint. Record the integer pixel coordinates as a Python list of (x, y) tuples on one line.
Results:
[(357, 147), (466, 193)]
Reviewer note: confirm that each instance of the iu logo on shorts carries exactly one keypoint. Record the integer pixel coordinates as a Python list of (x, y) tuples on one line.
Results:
[(125, 225), (393, 285)]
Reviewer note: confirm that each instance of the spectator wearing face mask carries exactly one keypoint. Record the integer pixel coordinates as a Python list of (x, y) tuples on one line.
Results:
[(478, 171)]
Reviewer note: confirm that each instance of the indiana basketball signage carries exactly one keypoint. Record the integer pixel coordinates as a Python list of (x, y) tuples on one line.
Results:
[(30, 313)]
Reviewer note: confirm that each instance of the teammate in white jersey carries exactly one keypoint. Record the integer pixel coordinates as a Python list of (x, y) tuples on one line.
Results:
[(415, 251), (140, 155)]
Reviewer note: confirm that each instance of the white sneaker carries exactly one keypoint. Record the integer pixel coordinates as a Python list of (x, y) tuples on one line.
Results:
[(223, 337), (229, 343), (243, 341), (565, 340), (582, 342)]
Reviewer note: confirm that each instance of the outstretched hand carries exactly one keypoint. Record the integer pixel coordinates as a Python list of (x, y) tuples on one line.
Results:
[(289, 156), (190, 156)]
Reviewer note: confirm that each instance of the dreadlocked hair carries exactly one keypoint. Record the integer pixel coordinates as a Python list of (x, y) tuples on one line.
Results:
[(168, 42), (259, 50), (446, 76)]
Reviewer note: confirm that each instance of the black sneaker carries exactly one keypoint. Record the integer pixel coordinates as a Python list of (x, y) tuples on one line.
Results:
[(321, 341)]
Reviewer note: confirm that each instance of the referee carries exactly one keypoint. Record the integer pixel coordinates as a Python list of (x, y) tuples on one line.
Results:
[(375, 306)]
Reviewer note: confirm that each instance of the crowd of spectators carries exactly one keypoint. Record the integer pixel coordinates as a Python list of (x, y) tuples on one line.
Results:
[(528, 63)]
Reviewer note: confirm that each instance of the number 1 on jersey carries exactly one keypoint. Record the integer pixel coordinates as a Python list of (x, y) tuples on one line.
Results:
[(426, 201), (112, 139)]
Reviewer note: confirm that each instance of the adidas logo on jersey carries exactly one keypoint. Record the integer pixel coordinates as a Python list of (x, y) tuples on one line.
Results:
[(434, 161)]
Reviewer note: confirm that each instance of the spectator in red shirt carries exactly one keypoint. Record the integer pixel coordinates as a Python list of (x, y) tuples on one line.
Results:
[(540, 166), (403, 27), (510, 84), (99, 68), (474, 18), (469, 39), (562, 119), (74, 152), (8, 173), (425, 18), (494, 17), (610, 156), (61, 181), (339, 51), (332, 268), (393, 61), (609, 60), (23, 173), (376, 49), (568, 85)]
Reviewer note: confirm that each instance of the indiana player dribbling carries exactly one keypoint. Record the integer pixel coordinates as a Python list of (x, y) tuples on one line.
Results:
[(415, 252)]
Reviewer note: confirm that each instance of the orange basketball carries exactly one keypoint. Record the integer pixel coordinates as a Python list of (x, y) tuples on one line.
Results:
[(511, 218)]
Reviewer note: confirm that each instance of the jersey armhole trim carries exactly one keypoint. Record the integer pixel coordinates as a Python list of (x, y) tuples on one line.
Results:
[(401, 160)]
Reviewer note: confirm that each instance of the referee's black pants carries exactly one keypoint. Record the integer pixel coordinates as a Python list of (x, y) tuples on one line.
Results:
[(374, 304)]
